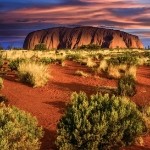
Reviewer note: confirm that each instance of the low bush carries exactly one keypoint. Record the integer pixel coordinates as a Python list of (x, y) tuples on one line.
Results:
[(18, 130), (33, 73), (14, 64), (126, 58), (46, 60), (127, 86), (1, 62), (99, 122), (146, 54), (40, 47), (90, 47)]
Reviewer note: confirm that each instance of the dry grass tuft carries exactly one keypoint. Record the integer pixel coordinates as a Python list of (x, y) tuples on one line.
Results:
[(90, 62), (33, 73), (81, 73)]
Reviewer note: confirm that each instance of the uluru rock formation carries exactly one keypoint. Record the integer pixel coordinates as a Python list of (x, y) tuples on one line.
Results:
[(71, 38)]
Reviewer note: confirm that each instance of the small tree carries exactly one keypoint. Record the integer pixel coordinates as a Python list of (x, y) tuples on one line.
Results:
[(18, 130), (40, 46), (101, 122), (127, 86)]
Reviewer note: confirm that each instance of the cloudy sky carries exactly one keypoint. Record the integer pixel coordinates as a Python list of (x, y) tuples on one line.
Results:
[(19, 17)]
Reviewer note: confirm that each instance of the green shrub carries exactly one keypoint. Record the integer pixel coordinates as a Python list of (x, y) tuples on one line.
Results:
[(46, 60), (126, 58), (1, 62), (147, 54), (101, 122), (14, 64), (90, 47), (40, 47), (127, 86), (18, 130)]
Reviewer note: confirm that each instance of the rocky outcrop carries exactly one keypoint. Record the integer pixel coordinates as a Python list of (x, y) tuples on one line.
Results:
[(71, 38)]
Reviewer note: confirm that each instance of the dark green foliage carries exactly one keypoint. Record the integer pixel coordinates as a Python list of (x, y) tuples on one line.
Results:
[(1, 62), (90, 47), (40, 47), (14, 64), (147, 54), (18, 130), (127, 86), (46, 60), (126, 58), (99, 123), (27, 78), (3, 99)]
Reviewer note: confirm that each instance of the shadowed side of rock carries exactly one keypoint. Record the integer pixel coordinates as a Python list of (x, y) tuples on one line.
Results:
[(71, 38)]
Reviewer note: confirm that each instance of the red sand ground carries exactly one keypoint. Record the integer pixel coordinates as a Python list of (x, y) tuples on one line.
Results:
[(48, 103)]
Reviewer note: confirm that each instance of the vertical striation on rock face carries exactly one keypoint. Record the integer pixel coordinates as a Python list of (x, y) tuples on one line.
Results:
[(71, 38)]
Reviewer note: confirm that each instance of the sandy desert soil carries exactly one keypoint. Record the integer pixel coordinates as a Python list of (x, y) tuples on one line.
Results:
[(48, 103)]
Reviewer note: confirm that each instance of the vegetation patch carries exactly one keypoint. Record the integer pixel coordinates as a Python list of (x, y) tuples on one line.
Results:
[(90, 47), (33, 73), (14, 64), (99, 122), (18, 129), (40, 47), (127, 86)]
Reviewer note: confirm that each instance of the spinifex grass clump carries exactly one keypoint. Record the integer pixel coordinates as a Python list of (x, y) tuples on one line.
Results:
[(99, 122), (18, 130), (127, 86), (33, 73), (119, 66)]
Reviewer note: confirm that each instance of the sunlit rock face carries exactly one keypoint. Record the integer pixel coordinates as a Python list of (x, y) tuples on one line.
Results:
[(71, 38)]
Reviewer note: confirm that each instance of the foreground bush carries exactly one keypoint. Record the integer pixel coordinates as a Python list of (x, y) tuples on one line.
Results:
[(18, 130), (33, 73), (127, 86), (101, 122)]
